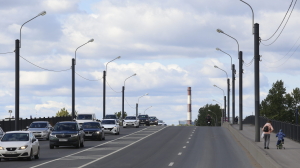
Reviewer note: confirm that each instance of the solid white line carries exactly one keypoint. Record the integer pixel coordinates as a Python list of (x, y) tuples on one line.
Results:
[(85, 149), (179, 153), (184, 147), (119, 149), (171, 164)]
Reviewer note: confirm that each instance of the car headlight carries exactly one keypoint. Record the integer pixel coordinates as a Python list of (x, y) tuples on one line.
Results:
[(23, 147), (52, 135), (146, 120), (1, 148), (74, 135), (155, 121)]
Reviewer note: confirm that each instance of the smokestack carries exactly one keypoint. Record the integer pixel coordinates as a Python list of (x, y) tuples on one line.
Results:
[(189, 106)]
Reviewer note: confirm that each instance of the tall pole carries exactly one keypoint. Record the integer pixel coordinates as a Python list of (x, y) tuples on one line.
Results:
[(228, 99), (224, 108), (136, 109), (233, 91), (104, 92), (256, 80), (17, 84), (241, 89), (123, 89), (73, 88)]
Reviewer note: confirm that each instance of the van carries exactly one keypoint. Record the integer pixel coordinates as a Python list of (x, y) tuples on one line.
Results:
[(85, 117)]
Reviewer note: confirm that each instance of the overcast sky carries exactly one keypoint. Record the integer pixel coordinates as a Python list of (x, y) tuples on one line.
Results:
[(170, 44)]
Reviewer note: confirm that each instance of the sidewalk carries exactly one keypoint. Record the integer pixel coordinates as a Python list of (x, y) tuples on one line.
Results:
[(288, 157)]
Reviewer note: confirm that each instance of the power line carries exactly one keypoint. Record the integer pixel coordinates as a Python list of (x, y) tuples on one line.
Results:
[(128, 103), (282, 28), (281, 22), (45, 68), (112, 88), (7, 52), (93, 80)]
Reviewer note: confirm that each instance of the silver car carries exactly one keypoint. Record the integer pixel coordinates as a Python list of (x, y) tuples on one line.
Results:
[(40, 129)]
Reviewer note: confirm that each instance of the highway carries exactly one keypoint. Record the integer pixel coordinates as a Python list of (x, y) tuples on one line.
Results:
[(148, 147)]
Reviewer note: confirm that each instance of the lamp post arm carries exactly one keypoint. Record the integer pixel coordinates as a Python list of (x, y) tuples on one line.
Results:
[(235, 40), (225, 72), (110, 62), (252, 15), (228, 55), (128, 78)]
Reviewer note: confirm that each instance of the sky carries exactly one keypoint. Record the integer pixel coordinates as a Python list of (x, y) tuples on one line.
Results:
[(170, 45)]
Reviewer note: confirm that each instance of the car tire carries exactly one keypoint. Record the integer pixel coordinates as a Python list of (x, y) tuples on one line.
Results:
[(124, 127), (51, 146), (82, 143), (30, 156), (100, 139), (78, 145), (37, 156), (103, 138)]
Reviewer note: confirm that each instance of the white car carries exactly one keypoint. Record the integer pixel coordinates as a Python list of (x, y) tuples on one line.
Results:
[(19, 144), (131, 121), (161, 123), (111, 126)]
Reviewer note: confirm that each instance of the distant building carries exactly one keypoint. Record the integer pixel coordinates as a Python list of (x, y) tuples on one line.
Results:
[(183, 122)]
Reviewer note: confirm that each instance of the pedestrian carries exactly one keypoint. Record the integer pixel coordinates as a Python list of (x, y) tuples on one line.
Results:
[(267, 129), (236, 119), (280, 136)]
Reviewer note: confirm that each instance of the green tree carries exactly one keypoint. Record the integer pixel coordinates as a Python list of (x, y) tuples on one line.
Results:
[(213, 110), (119, 114), (62, 113)]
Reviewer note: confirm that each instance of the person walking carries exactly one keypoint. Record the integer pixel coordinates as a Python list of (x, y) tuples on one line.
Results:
[(267, 129)]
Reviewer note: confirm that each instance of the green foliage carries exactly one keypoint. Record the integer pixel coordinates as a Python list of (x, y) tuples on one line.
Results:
[(213, 110), (119, 114), (62, 113), (279, 105)]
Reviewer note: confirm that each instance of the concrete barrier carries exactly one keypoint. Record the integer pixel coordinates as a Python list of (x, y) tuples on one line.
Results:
[(258, 154)]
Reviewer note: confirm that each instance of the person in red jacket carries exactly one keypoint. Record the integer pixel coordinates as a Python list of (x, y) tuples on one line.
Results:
[(267, 129)]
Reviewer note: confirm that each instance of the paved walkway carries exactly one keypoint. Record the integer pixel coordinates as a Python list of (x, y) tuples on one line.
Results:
[(288, 157)]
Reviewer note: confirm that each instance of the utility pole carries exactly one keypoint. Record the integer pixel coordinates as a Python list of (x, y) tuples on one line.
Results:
[(104, 92), (256, 81), (233, 91), (73, 88), (224, 108), (123, 89), (136, 109), (228, 99), (17, 84), (241, 89)]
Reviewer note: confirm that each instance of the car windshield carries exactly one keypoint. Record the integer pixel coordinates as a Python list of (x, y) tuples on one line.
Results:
[(108, 122), (1, 131), (110, 117), (15, 137), (152, 118), (84, 117), (65, 127), (143, 116), (130, 118), (160, 121), (90, 125), (38, 125)]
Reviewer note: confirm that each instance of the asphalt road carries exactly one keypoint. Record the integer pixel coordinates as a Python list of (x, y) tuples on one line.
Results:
[(148, 147)]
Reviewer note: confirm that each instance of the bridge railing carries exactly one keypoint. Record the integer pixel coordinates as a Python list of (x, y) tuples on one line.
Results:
[(291, 131), (9, 124)]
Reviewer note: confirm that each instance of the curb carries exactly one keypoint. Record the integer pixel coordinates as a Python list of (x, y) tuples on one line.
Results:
[(258, 154)]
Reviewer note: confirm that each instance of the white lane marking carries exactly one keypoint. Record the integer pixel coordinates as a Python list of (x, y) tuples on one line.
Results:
[(184, 147), (86, 149), (187, 142), (119, 149), (171, 164), (179, 153), (189, 138)]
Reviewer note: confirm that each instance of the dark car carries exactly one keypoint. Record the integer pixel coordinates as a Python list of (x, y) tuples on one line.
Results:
[(66, 133), (153, 120), (93, 130), (144, 119)]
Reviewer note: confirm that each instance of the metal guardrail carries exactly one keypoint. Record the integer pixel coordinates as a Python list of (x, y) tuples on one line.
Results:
[(9, 124), (291, 131)]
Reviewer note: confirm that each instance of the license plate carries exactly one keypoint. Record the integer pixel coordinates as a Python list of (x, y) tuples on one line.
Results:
[(88, 134), (63, 139), (142, 122), (11, 152)]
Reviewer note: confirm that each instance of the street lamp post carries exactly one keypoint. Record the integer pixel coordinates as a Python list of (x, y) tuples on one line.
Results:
[(224, 116), (73, 78), (255, 32), (123, 90), (228, 93), (104, 85), (220, 109), (137, 104), (17, 73), (147, 109)]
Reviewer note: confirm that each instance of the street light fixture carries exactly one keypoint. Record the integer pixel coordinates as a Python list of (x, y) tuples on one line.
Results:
[(17, 73), (73, 78), (123, 90), (147, 109), (104, 86), (228, 92), (137, 104)]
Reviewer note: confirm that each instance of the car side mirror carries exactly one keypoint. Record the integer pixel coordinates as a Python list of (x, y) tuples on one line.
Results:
[(102, 127), (33, 140), (27, 127)]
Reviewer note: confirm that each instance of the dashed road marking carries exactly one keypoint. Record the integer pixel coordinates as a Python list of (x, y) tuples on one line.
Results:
[(184, 147), (189, 138), (187, 142), (171, 164), (179, 153)]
